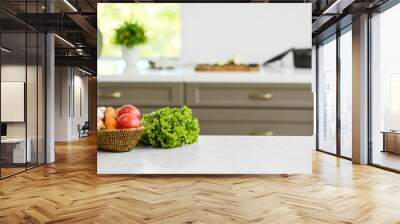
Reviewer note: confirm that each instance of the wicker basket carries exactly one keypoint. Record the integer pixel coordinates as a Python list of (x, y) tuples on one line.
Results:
[(118, 140)]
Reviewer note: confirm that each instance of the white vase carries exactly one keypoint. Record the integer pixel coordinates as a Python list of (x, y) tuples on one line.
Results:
[(131, 56)]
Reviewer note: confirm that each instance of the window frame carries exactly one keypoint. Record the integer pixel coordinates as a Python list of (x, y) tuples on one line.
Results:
[(333, 37), (371, 14)]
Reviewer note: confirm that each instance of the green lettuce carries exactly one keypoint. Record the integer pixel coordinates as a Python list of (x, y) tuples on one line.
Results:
[(170, 127)]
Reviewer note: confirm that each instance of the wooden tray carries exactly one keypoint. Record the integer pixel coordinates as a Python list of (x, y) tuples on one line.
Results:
[(227, 68)]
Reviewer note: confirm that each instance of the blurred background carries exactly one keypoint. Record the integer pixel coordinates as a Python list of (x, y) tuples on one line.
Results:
[(244, 69)]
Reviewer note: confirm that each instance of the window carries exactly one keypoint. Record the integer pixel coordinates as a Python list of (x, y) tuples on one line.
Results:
[(162, 22), (327, 97), (346, 94), (385, 89), (335, 94), (394, 102)]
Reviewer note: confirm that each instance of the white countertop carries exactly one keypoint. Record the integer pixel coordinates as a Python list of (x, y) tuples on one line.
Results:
[(189, 75), (216, 155)]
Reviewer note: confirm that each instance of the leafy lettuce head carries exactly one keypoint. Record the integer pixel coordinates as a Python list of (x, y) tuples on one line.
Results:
[(170, 127)]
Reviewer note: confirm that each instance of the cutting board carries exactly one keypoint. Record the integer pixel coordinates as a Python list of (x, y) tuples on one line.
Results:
[(227, 68)]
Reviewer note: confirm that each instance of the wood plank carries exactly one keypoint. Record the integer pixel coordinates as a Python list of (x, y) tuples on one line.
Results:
[(70, 191)]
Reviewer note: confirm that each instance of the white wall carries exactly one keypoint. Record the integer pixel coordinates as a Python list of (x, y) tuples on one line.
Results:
[(17, 73), (62, 81), (80, 103), (34, 125), (211, 32), (69, 81)]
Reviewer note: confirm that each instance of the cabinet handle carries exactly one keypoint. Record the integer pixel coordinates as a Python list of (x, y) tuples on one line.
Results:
[(261, 96), (114, 95), (263, 133)]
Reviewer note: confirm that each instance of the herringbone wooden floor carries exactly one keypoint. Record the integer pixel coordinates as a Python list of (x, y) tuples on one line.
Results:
[(70, 191)]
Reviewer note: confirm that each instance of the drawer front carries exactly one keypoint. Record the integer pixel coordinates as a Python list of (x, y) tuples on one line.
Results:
[(293, 122), (250, 95), (140, 94), (254, 115), (256, 128), (251, 121)]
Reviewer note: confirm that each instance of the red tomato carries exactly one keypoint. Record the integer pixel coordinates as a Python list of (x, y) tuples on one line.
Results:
[(128, 121), (129, 109)]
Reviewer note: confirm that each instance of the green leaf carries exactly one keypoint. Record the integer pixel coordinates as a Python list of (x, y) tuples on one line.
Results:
[(170, 128)]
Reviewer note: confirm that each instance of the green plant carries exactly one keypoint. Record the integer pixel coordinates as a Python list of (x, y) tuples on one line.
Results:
[(130, 34), (170, 127)]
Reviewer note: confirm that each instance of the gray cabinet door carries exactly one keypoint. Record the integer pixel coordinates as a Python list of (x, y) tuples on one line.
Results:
[(140, 94), (255, 128), (244, 121), (249, 95), (224, 109)]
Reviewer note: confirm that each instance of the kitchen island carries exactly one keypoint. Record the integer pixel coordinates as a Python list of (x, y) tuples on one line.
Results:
[(216, 155)]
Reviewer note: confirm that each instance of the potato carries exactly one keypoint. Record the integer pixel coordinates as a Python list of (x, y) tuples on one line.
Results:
[(110, 118)]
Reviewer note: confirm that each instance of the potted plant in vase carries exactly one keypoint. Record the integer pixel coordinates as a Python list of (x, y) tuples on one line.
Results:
[(130, 35)]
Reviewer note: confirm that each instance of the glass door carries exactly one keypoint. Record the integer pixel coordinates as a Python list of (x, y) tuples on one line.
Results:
[(22, 77), (14, 153), (36, 57), (32, 98), (41, 97)]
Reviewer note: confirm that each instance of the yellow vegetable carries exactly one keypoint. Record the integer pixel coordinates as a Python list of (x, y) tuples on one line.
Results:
[(110, 118)]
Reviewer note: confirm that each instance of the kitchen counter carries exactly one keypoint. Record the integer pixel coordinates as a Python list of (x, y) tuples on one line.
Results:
[(216, 155), (189, 75), (274, 101)]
